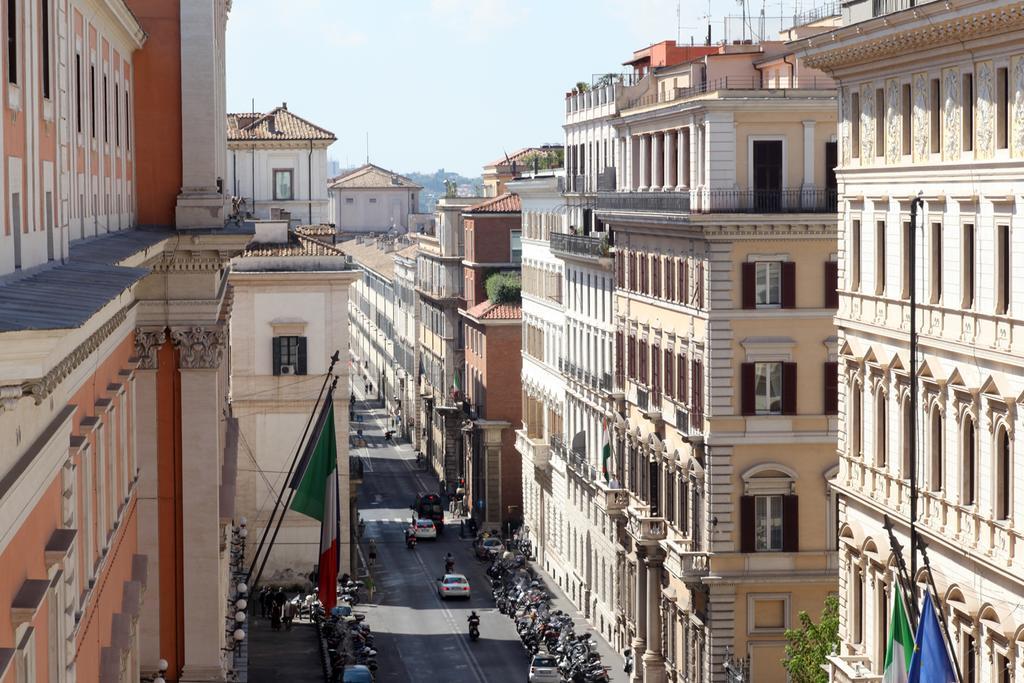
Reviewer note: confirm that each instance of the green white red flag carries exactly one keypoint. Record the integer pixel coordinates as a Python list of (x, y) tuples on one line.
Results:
[(316, 495), (901, 643), (606, 451)]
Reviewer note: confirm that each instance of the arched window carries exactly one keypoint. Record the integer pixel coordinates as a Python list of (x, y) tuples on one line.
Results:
[(935, 449), (968, 463), (881, 430), (905, 427), (1004, 475), (856, 420)]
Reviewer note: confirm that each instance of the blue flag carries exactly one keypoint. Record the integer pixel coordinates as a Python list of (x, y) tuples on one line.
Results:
[(930, 663)]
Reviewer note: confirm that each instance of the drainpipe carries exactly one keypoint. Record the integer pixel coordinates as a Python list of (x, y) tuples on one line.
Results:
[(253, 179), (792, 70), (234, 171), (309, 180)]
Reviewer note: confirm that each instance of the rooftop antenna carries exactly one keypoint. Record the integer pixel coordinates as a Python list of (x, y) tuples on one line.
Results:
[(367, 146), (707, 17), (679, 24)]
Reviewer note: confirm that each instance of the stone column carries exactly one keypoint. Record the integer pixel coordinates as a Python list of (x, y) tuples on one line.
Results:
[(657, 161), (808, 154), (634, 162), (654, 660), (640, 617), (645, 163), (147, 343), (201, 351), (683, 159), (671, 150), (623, 161)]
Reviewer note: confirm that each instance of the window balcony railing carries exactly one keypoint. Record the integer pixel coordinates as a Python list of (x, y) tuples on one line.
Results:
[(881, 7), (579, 245), (795, 200), (606, 180), (668, 202), (740, 83)]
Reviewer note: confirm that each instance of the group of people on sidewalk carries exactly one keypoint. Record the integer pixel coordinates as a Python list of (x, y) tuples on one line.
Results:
[(276, 606)]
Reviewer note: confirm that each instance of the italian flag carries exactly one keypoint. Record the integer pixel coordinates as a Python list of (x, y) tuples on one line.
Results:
[(901, 642), (606, 451), (456, 385), (316, 495)]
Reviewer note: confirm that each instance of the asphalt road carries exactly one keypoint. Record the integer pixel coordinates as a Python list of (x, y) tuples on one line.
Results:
[(418, 636)]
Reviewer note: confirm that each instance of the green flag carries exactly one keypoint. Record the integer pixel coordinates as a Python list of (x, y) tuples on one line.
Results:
[(901, 642), (321, 463)]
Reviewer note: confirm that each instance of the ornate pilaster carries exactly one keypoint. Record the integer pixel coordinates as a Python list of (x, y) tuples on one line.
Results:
[(147, 344), (201, 348)]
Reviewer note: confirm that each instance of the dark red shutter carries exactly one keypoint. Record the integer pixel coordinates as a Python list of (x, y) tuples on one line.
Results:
[(748, 272), (684, 282), (831, 284), (700, 285), (301, 369), (670, 279), (656, 276), (790, 524), (747, 524), (642, 369), (644, 280), (632, 357), (747, 389), (789, 388), (788, 284), (276, 355), (620, 269), (655, 372), (681, 385), (619, 356), (831, 384), (669, 375), (632, 271)]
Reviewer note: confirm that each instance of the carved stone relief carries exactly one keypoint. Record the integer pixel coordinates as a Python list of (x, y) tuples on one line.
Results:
[(844, 132), (200, 347), (985, 114), (867, 118), (920, 127), (1017, 84), (147, 343), (894, 122), (952, 115)]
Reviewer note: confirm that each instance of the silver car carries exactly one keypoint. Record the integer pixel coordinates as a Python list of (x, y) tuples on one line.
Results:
[(544, 669)]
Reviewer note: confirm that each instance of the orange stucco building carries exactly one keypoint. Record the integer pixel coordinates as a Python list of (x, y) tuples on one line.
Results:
[(116, 465)]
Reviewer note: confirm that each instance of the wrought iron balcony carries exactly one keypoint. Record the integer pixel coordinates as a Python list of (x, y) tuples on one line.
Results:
[(579, 245), (661, 202), (792, 200)]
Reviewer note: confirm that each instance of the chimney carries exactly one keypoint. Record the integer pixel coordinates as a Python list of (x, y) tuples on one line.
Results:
[(284, 105)]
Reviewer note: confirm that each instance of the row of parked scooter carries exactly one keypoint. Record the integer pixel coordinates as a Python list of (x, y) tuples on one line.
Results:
[(519, 593), (345, 637)]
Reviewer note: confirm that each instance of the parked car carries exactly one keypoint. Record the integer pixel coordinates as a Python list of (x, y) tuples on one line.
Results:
[(357, 673), (425, 529), (453, 586), (544, 669), (488, 546)]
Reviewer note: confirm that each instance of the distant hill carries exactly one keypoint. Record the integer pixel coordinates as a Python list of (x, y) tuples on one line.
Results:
[(433, 186)]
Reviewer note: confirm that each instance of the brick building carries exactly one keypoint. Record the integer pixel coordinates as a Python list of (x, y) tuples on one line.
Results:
[(493, 242)]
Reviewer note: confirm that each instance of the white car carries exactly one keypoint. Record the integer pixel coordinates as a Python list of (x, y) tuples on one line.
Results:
[(425, 528), (544, 669), (453, 586)]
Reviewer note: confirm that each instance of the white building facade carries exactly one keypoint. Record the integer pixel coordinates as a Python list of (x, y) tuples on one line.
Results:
[(278, 162), (936, 111), (374, 199)]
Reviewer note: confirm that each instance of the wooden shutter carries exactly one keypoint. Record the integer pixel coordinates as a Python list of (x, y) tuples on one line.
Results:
[(790, 524), (831, 284), (789, 388), (655, 372), (656, 276), (748, 272), (275, 344), (831, 385), (700, 285), (748, 406), (747, 524), (619, 353), (642, 369), (301, 369), (644, 280), (788, 284), (670, 279), (632, 357), (684, 282), (670, 389), (620, 269), (681, 381)]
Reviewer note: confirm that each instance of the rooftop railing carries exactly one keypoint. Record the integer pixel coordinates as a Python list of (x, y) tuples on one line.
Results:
[(578, 245), (735, 83), (793, 200)]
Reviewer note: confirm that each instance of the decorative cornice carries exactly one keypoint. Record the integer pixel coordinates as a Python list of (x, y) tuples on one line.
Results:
[(200, 347), (913, 39), (147, 343)]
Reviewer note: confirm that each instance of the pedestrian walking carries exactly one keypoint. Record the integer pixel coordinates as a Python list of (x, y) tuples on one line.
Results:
[(265, 602), (287, 614), (275, 616), (373, 551)]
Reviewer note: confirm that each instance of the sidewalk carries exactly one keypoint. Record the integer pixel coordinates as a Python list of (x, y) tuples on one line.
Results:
[(276, 656)]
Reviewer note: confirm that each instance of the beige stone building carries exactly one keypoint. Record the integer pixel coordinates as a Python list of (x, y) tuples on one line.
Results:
[(931, 106), (724, 246), (291, 291)]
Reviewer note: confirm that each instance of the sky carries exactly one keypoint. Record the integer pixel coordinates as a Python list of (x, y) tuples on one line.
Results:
[(448, 84)]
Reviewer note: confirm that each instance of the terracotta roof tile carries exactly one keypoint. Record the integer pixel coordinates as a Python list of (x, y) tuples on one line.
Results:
[(369, 175), (487, 310), (503, 203), (278, 124), (297, 245), (521, 154)]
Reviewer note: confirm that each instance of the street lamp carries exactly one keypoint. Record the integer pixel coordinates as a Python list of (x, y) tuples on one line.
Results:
[(161, 671)]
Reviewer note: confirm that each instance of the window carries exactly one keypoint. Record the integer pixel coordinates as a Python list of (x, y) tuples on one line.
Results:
[(1004, 475), (350, 200), (967, 267), (106, 107), (879, 257), (1002, 269), (373, 200), (935, 474), (879, 123), (831, 284), (968, 467), (12, 41), (78, 91), (936, 111), (681, 378), (44, 10), (768, 281), (830, 400), (856, 436), (127, 122), (905, 260), (283, 183), (289, 355), (935, 263), (92, 99), (767, 523), (768, 388), (855, 256), (881, 431), (968, 109), (1002, 108), (516, 248), (117, 115), (855, 125), (906, 111)]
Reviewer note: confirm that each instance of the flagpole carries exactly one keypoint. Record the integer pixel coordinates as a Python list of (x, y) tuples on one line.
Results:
[(916, 203), (291, 493), (942, 621), (291, 468)]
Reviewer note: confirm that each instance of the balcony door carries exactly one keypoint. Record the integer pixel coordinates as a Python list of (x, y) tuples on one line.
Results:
[(767, 164)]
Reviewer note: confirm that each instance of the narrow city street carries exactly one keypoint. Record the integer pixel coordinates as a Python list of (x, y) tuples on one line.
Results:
[(419, 637)]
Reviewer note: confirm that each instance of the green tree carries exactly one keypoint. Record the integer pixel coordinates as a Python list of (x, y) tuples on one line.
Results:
[(810, 644), (503, 288)]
